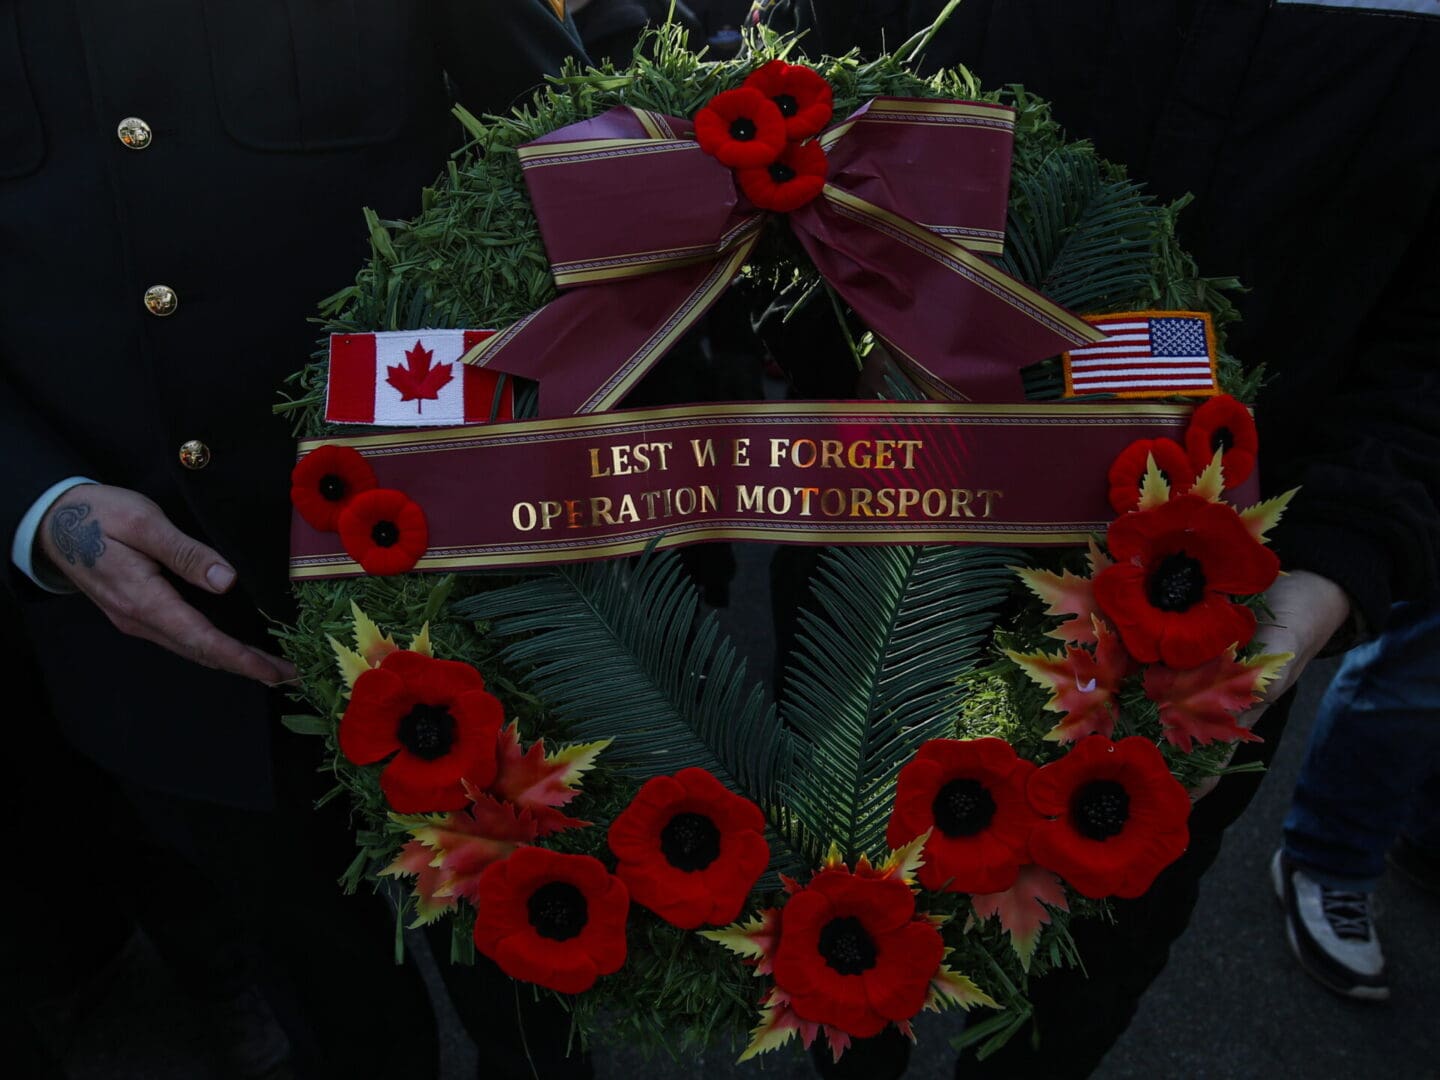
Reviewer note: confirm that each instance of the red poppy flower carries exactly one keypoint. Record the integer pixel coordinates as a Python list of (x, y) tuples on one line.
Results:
[(1176, 567), (384, 531), (1127, 473), (852, 953), (1119, 816), (325, 480), (789, 183), (742, 128), (551, 919), (971, 793), (690, 850), (802, 96), (435, 717), (1222, 423)]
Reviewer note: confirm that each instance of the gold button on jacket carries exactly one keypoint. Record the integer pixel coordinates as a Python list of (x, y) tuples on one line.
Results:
[(194, 454), (134, 133), (161, 300)]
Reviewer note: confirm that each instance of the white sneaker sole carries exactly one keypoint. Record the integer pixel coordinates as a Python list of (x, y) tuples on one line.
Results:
[(1358, 993)]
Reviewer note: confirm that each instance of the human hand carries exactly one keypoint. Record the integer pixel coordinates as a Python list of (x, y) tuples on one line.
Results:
[(113, 545), (1308, 609)]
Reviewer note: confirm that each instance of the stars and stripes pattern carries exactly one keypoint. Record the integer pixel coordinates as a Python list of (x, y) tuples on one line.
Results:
[(368, 380), (1145, 354)]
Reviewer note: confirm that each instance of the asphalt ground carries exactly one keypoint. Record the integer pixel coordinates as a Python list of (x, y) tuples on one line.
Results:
[(1232, 1004)]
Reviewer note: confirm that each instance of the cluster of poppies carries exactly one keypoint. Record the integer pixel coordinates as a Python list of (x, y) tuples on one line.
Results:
[(335, 490), (686, 848), (1179, 565), (1221, 424), (764, 130), (1107, 817)]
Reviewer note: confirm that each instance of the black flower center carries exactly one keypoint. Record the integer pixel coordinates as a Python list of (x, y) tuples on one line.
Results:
[(963, 808), (1223, 439), (787, 104), (781, 174), (1100, 809), (742, 129), (558, 911), (427, 731), (1177, 584), (847, 946), (385, 534), (332, 487), (690, 842)]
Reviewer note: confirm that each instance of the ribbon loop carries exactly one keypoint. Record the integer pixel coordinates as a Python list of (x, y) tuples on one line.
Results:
[(645, 231)]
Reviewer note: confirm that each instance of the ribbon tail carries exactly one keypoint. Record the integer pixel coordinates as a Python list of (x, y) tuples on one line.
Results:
[(961, 327), (589, 347)]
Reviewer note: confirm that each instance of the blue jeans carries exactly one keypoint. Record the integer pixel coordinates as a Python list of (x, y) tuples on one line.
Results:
[(1372, 768)]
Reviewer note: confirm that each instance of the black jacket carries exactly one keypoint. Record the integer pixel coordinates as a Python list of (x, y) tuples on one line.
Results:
[(609, 28), (1306, 133), (273, 122)]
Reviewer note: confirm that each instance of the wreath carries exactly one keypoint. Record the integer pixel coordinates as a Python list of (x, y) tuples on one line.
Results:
[(973, 746)]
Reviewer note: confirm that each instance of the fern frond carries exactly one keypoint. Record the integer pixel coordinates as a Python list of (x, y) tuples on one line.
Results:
[(875, 674), (618, 650), (1083, 234)]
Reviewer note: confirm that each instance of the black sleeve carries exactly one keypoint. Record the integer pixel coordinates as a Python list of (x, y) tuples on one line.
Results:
[(33, 456), (1367, 458), (497, 52)]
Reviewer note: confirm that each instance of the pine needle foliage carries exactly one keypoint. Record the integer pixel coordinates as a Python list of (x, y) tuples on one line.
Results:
[(875, 674)]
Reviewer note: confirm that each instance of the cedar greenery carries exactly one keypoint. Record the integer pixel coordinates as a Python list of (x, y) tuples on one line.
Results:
[(899, 646)]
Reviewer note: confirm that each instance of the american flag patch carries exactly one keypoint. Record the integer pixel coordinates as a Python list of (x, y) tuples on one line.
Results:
[(1146, 354)]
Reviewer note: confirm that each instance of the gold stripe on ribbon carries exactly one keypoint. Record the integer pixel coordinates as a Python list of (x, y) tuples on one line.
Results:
[(920, 412), (542, 155), (696, 304), (961, 260)]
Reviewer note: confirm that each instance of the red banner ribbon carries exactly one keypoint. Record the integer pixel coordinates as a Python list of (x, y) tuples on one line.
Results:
[(527, 493), (645, 231)]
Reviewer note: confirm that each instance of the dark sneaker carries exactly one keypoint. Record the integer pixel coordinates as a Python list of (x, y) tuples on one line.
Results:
[(1331, 932), (1421, 867)]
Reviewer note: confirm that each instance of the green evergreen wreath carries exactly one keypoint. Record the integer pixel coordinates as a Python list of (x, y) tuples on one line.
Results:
[(903, 645)]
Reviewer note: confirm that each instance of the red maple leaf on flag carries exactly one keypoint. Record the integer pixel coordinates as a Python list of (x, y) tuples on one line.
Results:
[(419, 380)]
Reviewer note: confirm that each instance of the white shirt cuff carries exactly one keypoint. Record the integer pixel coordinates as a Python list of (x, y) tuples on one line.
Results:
[(22, 550)]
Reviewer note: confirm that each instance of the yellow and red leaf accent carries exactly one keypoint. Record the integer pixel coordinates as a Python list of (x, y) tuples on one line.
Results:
[(1084, 685), (1199, 705), (1023, 909)]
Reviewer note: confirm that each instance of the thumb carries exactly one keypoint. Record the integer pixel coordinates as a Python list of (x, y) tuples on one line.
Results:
[(183, 555)]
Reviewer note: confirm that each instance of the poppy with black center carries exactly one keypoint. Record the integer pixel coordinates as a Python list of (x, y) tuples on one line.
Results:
[(797, 178), (689, 849), (1224, 424), (1118, 817), (1178, 568), (384, 531), (853, 953), (552, 919), (741, 128), (803, 98), (434, 724), (1127, 472), (324, 482), (969, 794)]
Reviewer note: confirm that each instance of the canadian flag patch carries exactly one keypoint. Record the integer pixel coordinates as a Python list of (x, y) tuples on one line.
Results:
[(413, 378)]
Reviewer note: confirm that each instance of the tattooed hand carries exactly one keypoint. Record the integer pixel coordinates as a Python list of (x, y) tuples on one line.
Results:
[(113, 545)]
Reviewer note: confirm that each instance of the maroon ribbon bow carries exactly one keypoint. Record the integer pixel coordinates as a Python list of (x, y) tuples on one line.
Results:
[(645, 231)]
